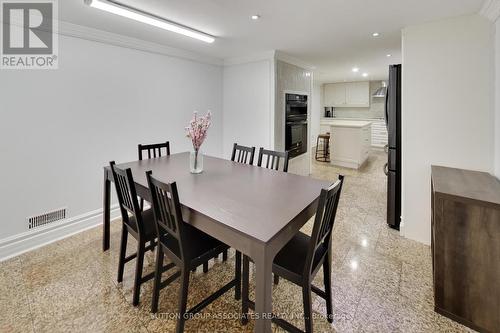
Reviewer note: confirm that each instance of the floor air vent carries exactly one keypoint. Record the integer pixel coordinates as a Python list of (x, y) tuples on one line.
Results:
[(46, 218)]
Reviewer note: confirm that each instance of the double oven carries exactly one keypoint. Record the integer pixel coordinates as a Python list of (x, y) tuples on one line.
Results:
[(296, 124)]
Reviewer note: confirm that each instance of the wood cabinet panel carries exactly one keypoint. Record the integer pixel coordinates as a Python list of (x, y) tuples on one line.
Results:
[(466, 247)]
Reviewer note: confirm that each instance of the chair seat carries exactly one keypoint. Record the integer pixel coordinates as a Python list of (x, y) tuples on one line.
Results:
[(293, 255), (148, 222), (199, 243)]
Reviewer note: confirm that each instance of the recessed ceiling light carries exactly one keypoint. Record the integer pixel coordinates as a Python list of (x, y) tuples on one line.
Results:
[(355, 69), (388, 55), (255, 17), (375, 34), (365, 74)]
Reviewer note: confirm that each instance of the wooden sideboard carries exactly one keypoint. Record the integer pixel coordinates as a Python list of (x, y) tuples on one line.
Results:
[(466, 247)]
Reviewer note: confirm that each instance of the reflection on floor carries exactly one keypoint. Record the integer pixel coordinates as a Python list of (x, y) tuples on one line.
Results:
[(381, 282)]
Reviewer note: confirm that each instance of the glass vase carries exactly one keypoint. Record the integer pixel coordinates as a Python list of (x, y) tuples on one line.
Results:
[(196, 161)]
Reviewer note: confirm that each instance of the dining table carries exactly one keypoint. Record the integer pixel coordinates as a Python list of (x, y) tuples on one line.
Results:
[(252, 209)]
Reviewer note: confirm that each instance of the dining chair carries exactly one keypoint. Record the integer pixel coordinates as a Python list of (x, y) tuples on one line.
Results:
[(243, 154), (272, 159), (300, 259), (186, 246), (154, 150), (135, 221)]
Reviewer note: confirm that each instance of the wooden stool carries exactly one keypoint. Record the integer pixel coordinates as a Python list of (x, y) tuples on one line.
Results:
[(324, 155)]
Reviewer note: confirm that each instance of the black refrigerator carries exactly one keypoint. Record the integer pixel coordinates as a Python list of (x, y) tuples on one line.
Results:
[(393, 166)]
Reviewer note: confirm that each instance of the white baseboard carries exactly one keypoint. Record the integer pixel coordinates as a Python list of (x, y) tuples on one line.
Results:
[(30, 240), (346, 163)]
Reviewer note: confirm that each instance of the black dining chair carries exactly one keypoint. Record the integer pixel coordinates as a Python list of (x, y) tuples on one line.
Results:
[(300, 259), (186, 246), (270, 159), (154, 150), (135, 221), (243, 154)]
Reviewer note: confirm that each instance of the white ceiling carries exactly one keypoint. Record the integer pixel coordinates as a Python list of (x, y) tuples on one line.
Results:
[(332, 35)]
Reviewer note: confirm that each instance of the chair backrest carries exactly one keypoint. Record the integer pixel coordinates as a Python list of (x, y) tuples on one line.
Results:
[(127, 196), (273, 159), (167, 211), (154, 150), (323, 223), (242, 154)]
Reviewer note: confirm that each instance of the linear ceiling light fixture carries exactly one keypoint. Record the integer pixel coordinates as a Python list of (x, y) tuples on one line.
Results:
[(140, 16)]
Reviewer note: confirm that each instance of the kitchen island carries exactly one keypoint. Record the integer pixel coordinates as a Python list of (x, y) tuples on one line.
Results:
[(350, 142)]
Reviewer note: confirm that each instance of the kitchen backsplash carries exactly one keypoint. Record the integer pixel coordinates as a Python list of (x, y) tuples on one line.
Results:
[(376, 109)]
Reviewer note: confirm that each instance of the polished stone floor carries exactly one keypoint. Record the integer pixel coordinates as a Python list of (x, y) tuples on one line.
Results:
[(381, 282)]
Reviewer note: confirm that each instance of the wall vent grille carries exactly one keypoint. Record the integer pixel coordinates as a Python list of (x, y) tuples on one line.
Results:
[(46, 218)]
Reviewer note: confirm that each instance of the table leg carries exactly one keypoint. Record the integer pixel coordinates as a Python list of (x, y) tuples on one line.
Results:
[(263, 293), (106, 212)]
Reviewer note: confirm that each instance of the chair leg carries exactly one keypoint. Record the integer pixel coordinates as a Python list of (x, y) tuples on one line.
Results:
[(224, 255), (157, 281), (237, 276), (123, 251), (317, 147), (205, 267), (183, 295), (244, 291), (138, 272), (306, 294), (276, 279), (327, 275)]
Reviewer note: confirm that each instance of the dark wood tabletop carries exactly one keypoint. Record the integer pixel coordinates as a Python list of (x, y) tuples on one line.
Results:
[(480, 187), (255, 201), (255, 210)]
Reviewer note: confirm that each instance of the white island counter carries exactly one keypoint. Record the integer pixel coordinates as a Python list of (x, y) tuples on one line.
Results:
[(350, 142)]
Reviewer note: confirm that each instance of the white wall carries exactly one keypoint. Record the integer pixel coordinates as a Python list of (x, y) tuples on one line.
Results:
[(60, 127), (447, 108), (497, 100), (247, 105), (317, 111)]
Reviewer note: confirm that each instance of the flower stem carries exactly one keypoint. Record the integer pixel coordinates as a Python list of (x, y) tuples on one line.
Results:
[(195, 159)]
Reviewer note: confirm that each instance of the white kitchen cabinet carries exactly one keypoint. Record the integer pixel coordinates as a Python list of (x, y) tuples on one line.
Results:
[(335, 94), (350, 143), (379, 137), (379, 134), (358, 94), (345, 95)]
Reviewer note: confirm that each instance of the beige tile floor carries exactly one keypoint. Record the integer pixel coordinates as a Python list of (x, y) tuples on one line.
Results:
[(381, 282)]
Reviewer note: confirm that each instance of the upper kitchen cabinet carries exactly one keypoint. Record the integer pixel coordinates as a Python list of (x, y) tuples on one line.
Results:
[(335, 94), (345, 95)]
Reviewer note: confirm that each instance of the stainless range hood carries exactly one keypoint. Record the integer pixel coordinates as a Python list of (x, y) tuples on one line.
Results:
[(380, 92)]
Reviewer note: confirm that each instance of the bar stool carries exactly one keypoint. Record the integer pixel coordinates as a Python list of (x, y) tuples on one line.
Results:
[(323, 155)]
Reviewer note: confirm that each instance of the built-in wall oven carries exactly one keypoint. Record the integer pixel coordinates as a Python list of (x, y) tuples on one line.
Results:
[(296, 124)]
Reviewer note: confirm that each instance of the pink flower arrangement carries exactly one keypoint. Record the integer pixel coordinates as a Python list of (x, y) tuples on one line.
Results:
[(197, 129)]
